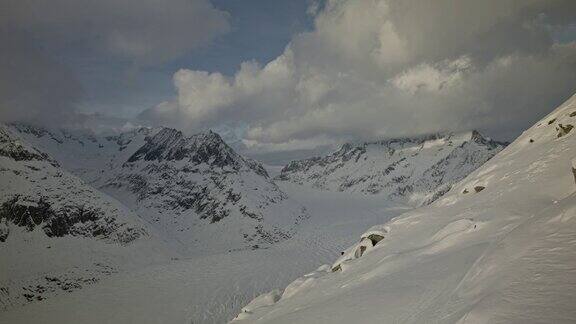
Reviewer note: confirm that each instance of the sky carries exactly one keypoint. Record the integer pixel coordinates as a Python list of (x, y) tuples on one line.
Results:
[(286, 78)]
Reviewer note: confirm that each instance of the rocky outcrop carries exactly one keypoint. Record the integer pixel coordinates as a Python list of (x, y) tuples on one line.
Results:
[(74, 220), (35, 192)]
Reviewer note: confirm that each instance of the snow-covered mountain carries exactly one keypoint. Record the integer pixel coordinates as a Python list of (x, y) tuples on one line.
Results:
[(499, 247), (196, 191), (414, 170), (82, 153), (199, 191), (38, 193), (50, 223)]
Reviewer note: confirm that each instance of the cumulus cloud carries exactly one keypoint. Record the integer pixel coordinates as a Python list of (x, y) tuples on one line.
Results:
[(386, 68)]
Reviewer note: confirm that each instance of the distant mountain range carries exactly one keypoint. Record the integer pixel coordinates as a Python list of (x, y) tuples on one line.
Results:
[(415, 170)]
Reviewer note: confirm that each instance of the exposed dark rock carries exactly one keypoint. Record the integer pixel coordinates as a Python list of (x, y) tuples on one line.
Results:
[(375, 238), (12, 148), (479, 188), (68, 220), (360, 251), (563, 130)]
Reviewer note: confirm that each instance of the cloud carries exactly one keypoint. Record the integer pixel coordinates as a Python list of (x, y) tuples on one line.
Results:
[(147, 31), (38, 37), (384, 68), (33, 86)]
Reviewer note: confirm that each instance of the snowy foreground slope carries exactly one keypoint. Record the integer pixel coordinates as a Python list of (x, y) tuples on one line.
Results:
[(58, 234), (500, 247), (413, 170)]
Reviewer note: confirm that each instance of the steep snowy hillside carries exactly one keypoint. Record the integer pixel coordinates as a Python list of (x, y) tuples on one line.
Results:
[(413, 170), (500, 247), (196, 191), (50, 222)]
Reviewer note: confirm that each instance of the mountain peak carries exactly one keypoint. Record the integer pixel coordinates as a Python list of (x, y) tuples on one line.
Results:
[(207, 147), (477, 137)]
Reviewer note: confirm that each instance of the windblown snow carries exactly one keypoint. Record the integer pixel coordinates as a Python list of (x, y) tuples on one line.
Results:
[(499, 247)]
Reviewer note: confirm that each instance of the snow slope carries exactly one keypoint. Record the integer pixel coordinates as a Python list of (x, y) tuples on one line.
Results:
[(500, 247), (413, 170), (57, 234), (213, 288)]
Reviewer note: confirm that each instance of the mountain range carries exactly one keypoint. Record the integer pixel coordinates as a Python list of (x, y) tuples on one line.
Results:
[(78, 207), (416, 171)]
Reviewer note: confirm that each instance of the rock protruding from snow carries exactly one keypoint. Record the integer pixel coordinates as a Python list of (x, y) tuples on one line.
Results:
[(574, 169), (414, 170)]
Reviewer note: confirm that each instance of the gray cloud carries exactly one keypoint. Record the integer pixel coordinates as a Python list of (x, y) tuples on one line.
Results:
[(144, 30), (35, 86), (381, 68)]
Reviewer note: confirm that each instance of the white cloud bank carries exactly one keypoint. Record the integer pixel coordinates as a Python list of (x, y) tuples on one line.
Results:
[(383, 68)]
